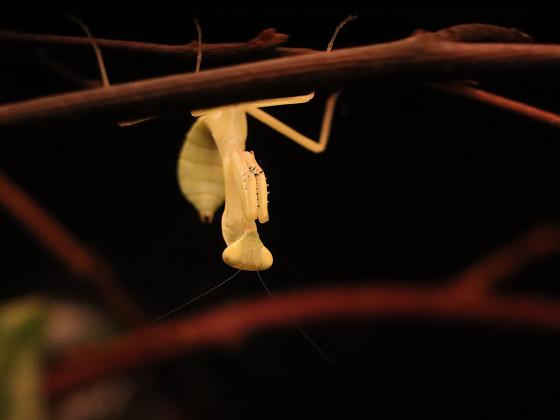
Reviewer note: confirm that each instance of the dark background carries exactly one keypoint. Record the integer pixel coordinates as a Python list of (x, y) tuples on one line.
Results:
[(415, 186)]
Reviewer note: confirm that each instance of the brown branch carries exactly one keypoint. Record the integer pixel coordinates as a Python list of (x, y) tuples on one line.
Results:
[(416, 59), (80, 261), (498, 101), (268, 40), (231, 324)]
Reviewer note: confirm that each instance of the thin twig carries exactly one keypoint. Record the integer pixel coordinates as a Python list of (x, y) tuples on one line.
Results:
[(267, 41), (80, 261), (498, 101)]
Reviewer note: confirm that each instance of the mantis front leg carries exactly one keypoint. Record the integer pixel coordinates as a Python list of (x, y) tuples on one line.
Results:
[(246, 200)]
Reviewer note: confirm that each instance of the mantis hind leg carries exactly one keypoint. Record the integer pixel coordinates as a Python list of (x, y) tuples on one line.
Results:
[(312, 145)]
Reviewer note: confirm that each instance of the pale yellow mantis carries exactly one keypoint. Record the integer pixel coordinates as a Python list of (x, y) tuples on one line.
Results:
[(214, 167)]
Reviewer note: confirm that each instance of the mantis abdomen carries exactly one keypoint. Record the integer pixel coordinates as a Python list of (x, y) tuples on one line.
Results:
[(200, 171)]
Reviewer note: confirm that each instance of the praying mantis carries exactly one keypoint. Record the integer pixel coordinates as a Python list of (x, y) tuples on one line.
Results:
[(215, 167)]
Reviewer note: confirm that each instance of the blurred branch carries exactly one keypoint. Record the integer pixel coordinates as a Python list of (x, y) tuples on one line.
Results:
[(231, 324), (421, 58), (482, 277), (80, 261)]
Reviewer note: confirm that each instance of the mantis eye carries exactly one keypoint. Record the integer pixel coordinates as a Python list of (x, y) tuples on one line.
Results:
[(248, 253)]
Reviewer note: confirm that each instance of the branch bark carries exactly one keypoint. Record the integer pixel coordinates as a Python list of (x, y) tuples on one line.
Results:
[(417, 59)]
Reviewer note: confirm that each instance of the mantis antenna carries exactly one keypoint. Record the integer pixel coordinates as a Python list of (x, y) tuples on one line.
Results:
[(293, 322), (196, 298)]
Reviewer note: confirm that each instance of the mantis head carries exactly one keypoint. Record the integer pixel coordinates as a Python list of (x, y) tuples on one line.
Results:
[(248, 252)]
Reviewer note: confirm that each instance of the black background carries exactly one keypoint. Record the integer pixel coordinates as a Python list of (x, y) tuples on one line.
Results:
[(415, 186)]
